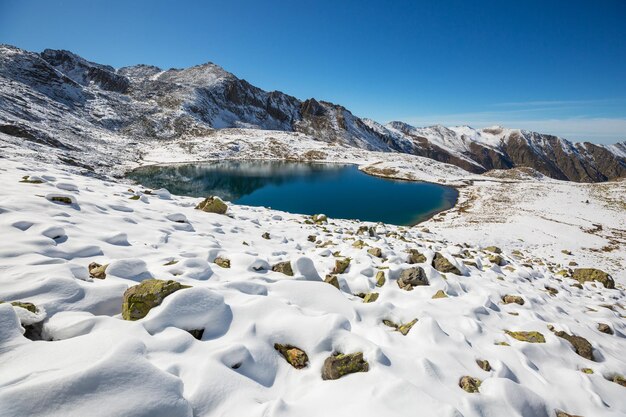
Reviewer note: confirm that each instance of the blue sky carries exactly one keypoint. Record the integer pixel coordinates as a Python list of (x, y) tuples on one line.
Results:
[(553, 66)]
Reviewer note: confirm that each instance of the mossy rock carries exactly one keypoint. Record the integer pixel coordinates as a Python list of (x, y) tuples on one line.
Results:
[(380, 278), (341, 364), (470, 384), (592, 274), (134, 197), (513, 299), (493, 249), (295, 356), (415, 257), (440, 294), (618, 379), (332, 280), (341, 265), (370, 297), (605, 328), (587, 371), (442, 264), (483, 364), (213, 204), (141, 298), (375, 252), (97, 271), (581, 345), (496, 260), (25, 305), (222, 262), (283, 268), (412, 277), (404, 328), (359, 244), (530, 337)]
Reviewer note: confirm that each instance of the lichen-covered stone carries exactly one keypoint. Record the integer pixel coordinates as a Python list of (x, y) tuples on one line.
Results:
[(412, 277), (341, 265), (380, 278), (415, 257), (213, 204), (332, 280), (581, 345), (283, 268), (376, 252), (587, 371), (25, 305), (564, 414), (496, 260), (493, 249), (605, 328), (592, 274), (510, 299), (442, 264), (440, 294), (141, 298), (470, 384), (222, 262), (618, 379), (295, 356), (340, 364), (26, 179), (483, 364), (370, 297), (402, 328), (530, 337), (97, 271)]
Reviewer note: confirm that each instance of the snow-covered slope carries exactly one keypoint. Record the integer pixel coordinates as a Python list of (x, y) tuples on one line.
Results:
[(98, 114)]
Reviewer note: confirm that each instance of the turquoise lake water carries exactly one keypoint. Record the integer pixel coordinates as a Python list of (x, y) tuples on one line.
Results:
[(339, 191)]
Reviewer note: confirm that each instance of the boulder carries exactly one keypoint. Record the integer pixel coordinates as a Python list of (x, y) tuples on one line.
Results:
[(141, 298), (359, 244), (222, 262), (496, 260), (510, 299), (341, 265), (605, 328), (296, 357), (376, 252), (370, 297), (618, 379), (470, 384), (283, 268), (415, 257), (332, 280), (442, 264), (380, 278), (97, 271), (530, 337), (340, 364), (213, 204), (581, 345), (483, 364), (32, 319), (592, 274), (412, 277)]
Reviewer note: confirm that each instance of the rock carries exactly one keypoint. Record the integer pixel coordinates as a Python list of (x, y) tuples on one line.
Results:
[(566, 252), (530, 337), (60, 199), (370, 297), (213, 204), (442, 264), (496, 260), (311, 238), (139, 299), (376, 252), (572, 263), (196, 333), (587, 371), (605, 328), (552, 291), (26, 179), (97, 271), (412, 277), (296, 357), (483, 364), (415, 257), (359, 244), (265, 235), (469, 384), (618, 379), (332, 280), (564, 414), (493, 249), (340, 364), (509, 299), (222, 262), (592, 274), (440, 294), (402, 328), (283, 268), (319, 218), (581, 345), (341, 265), (25, 305), (380, 278)]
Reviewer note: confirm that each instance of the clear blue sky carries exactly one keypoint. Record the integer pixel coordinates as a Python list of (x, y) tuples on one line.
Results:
[(553, 66)]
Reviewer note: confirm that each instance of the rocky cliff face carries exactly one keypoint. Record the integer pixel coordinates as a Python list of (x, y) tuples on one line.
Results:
[(59, 99)]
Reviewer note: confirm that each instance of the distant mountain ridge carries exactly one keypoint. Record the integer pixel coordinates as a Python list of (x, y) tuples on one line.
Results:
[(59, 99)]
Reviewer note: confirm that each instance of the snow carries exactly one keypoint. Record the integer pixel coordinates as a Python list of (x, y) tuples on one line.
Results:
[(98, 364)]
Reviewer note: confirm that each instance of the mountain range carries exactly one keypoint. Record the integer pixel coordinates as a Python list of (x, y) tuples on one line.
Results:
[(58, 99)]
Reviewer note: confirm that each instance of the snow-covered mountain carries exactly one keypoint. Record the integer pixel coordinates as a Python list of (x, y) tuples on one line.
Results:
[(59, 99)]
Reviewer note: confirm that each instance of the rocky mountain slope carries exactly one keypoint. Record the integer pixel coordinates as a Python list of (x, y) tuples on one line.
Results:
[(58, 99)]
